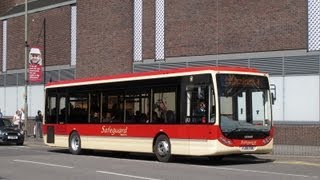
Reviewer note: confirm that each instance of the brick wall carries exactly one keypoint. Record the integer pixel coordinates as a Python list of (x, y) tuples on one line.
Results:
[(5, 5), (301, 134), (57, 37), (148, 30), (203, 27), (190, 27), (1, 44), (15, 43), (105, 37), (58, 30)]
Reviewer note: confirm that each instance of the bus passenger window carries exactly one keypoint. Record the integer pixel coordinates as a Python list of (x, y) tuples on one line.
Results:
[(94, 107), (78, 107), (62, 110), (165, 106)]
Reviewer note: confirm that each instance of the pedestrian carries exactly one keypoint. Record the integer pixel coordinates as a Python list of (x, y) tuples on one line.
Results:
[(22, 116), (37, 129), (1, 115), (17, 119)]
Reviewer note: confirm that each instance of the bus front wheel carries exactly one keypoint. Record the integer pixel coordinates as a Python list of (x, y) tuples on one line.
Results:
[(162, 148), (75, 143)]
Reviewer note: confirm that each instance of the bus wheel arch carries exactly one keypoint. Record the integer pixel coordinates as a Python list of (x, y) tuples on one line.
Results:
[(75, 143), (162, 147)]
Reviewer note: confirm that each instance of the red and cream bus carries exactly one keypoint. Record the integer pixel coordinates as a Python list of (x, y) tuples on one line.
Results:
[(202, 111)]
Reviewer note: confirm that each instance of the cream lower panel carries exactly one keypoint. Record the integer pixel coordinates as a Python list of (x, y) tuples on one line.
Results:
[(214, 147), (117, 143), (180, 146), (59, 141)]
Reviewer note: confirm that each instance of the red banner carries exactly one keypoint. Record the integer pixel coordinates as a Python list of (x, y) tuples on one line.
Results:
[(35, 73), (35, 65)]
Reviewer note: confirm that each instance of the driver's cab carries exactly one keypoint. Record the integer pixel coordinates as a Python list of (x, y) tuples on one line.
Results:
[(200, 104)]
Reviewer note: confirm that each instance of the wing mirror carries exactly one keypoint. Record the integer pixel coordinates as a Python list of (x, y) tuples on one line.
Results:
[(273, 90)]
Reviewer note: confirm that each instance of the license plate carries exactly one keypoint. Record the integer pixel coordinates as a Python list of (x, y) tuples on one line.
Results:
[(248, 148), (12, 137)]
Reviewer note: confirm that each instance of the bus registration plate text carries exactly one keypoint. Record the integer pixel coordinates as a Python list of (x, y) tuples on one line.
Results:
[(248, 148)]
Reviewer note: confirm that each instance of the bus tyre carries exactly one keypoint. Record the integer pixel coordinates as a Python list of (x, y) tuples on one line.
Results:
[(75, 143), (162, 148)]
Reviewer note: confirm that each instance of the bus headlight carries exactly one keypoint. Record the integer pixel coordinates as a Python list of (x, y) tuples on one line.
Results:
[(225, 141), (266, 140)]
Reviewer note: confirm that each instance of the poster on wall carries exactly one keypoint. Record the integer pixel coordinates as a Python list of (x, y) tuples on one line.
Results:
[(35, 65)]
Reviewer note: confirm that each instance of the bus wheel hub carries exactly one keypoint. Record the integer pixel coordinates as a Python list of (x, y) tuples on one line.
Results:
[(163, 148)]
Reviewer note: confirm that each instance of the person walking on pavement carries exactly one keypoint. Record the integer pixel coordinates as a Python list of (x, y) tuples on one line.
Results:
[(17, 119), (1, 115), (37, 129), (22, 118)]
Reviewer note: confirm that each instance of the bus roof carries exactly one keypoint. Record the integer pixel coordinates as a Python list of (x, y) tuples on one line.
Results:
[(92, 80)]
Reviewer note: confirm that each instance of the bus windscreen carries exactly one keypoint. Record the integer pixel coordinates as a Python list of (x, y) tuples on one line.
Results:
[(245, 106)]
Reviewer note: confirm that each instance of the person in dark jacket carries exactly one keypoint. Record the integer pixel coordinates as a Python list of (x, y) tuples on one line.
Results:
[(38, 125)]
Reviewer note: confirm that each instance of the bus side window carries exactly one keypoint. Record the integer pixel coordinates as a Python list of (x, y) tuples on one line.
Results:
[(95, 107), (165, 106), (62, 110)]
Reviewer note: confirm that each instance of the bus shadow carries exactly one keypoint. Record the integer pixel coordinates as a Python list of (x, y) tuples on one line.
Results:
[(227, 160)]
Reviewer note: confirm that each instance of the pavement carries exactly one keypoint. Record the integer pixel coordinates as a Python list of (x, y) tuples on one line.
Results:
[(31, 141)]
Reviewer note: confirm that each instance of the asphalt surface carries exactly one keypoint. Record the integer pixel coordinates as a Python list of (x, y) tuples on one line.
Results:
[(37, 161), (279, 150)]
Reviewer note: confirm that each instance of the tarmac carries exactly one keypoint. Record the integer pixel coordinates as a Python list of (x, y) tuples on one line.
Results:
[(289, 150)]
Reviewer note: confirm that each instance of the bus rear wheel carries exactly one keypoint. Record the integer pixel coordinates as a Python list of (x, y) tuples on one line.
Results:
[(162, 148), (75, 143)]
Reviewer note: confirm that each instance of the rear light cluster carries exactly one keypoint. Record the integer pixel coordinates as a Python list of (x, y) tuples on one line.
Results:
[(266, 140), (225, 141)]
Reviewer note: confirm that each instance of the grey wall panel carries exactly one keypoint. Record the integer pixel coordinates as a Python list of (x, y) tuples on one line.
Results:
[(273, 65)]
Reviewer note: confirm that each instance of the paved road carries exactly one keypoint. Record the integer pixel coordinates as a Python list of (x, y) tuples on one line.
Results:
[(35, 161)]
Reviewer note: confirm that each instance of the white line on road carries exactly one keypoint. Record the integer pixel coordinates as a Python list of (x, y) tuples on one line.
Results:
[(126, 175), (259, 172), (14, 147), (41, 163)]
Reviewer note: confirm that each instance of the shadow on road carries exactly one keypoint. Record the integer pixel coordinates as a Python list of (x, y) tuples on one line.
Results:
[(227, 160)]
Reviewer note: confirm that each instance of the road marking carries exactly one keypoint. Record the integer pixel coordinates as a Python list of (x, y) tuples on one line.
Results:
[(41, 163), (259, 172), (14, 147), (125, 175), (298, 163)]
